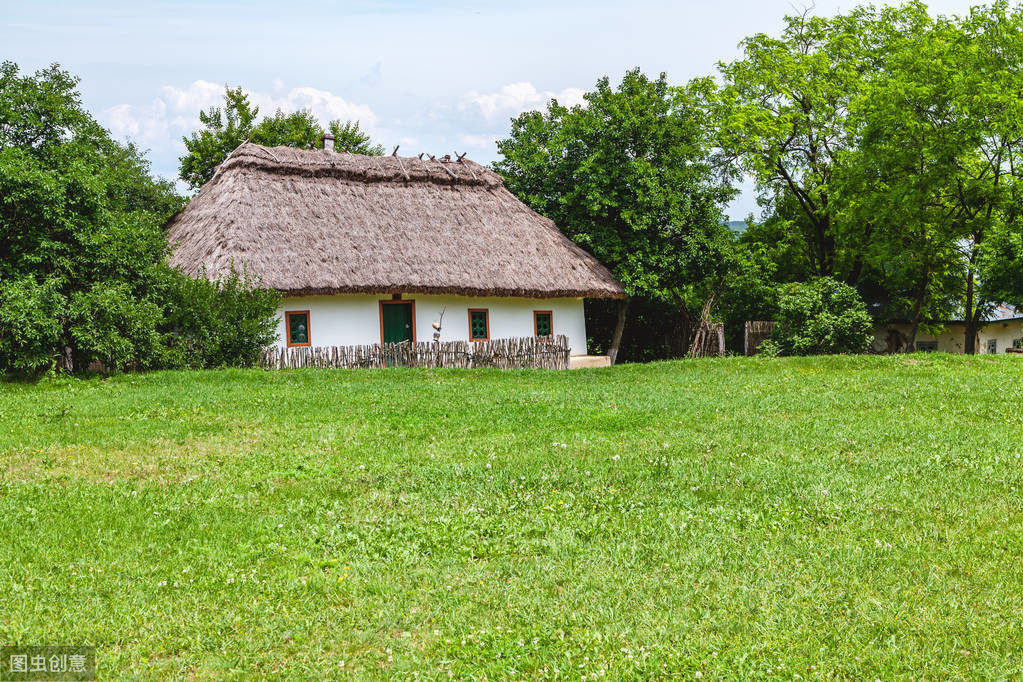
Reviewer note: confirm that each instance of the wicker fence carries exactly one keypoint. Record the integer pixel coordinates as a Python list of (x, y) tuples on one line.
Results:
[(498, 353)]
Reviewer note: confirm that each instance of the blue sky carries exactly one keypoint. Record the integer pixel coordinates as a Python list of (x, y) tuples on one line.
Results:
[(430, 76)]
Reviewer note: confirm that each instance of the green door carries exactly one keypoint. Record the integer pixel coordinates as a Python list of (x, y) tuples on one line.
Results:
[(397, 321)]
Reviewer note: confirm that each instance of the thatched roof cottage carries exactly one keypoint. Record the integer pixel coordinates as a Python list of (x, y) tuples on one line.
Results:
[(373, 249)]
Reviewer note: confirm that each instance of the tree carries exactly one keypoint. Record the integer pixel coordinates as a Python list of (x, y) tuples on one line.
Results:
[(884, 144), (936, 144), (83, 277), (223, 130), (80, 230), (784, 119), (226, 128), (348, 138), (629, 176)]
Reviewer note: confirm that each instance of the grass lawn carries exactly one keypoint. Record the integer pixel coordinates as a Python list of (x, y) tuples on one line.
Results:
[(826, 518)]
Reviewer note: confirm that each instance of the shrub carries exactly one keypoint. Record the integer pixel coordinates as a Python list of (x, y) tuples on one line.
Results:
[(821, 317), (107, 323), (216, 324), (769, 348), (30, 328)]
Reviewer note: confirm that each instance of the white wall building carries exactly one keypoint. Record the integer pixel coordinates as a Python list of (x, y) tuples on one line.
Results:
[(373, 249), (1000, 332), (358, 319)]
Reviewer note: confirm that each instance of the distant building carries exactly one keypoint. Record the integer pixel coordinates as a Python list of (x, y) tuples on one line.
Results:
[(1002, 330)]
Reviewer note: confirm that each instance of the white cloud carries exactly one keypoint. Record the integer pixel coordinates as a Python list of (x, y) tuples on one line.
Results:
[(161, 124), (515, 98), (477, 141), (198, 95), (325, 105)]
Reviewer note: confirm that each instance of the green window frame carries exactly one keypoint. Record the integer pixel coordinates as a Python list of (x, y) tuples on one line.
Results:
[(479, 324), (543, 324), (296, 328)]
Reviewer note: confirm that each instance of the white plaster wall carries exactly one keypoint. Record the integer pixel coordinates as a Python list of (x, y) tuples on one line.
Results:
[(1003, 332), (952, 338), (352, 319)]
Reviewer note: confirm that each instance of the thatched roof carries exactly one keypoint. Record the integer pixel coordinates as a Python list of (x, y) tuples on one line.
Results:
[(318, 222)]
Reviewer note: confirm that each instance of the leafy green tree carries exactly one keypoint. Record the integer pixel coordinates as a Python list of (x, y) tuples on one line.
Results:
[(80, 230), (629, 177), (299, 129), (226, 128), (821, 317), (223, 130), (84, 277), (936, 142), (884, 144), (348, 138)]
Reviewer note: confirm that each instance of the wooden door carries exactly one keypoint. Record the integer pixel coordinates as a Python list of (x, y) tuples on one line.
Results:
[(397, 321)]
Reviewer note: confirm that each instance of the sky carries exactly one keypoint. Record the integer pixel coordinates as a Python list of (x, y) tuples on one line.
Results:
[(435, 77)]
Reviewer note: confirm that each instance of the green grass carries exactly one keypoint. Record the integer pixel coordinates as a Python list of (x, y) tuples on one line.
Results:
[(831, 518)]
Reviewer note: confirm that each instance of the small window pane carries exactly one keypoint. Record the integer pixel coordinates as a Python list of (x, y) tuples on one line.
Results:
[(543, 324), (478, 325), (926, 346), (298, 328)]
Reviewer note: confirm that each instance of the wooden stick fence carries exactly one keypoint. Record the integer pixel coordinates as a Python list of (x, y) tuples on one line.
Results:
[(498, 353), (709, 340)]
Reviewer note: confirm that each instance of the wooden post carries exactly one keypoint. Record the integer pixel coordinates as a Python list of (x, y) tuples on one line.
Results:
[(616, 340)]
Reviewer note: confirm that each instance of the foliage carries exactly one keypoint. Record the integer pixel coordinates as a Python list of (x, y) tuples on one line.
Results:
[(83, 279), (109, 324), (30, 327), (629, 177), (769, 348), (937, 140), (287, 515), (348, 138), (821, 317), (80, 219), (214, 324), (223, 130), (884, 142), (226, 128), (299, 129)]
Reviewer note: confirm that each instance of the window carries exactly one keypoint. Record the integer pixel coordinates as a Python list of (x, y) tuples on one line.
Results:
[(479, 324), (296, 323), (543, 323), (927, 346), (992, 345)]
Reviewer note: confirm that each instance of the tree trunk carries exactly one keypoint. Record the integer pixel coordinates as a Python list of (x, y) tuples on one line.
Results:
[(686, 324), (918, 306), (970, 342), (616, 340)]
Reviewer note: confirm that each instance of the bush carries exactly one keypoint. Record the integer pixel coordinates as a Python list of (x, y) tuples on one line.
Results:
[(108, 324), (821, 317), (30, 328), (216, 324), (769, 348)]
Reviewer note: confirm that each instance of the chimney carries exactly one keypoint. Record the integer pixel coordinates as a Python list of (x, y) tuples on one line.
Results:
[(328, 142)]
